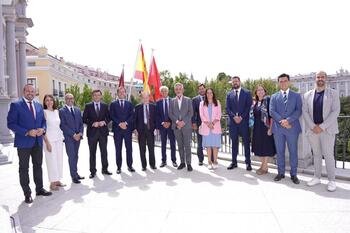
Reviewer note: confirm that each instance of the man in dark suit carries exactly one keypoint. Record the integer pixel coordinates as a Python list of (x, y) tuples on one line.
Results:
[(285, 110), (72, 128), (96, 117), (122, 115), (238, 105), (145, 121), (26, 119), (196, 121), (163, 123)]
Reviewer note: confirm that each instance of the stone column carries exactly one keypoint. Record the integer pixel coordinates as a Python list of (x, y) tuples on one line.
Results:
[(22, 65), (11, 57), (5, 135)]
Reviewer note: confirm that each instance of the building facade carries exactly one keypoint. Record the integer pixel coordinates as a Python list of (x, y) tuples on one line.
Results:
[(339, 81), (52, 75), (13, 31)]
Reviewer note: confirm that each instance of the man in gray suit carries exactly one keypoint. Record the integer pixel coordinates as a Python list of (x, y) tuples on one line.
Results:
[(180, 113), (321, 108)]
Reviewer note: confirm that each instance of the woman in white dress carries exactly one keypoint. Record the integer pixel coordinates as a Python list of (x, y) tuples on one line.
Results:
[(53, 143)]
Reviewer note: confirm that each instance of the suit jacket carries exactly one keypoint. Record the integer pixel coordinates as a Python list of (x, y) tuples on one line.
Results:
[(20, 120), (215, 115), (291, 112), (90, 116), (160, 114), (243, 107), (139, 118), (331, 110), (196, 118), (185, 113), (71, 125), (119, 114)]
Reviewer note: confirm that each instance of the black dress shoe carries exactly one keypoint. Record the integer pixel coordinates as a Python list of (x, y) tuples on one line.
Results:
[(81, 177), (119, 171), (28, 199), (76, 181), (279, 177), (131, 169), (43, 192), (163, 164), (232, 166), (92, 175), (107, 173), (249, 167), (295, 179), (189, 167), (174, 164), (200, 163), (144, 169), (182, 166), (154, 167)]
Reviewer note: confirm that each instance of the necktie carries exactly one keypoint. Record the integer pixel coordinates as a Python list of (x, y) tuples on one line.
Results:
[(122, 104), (237, 103), (285, 98), (31, 108), (147, 116), (166, 110), (97, 110), (72, 112)]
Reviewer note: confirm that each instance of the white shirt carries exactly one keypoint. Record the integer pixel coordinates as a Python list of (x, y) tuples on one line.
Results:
[(70, 108), (27, 102), (98, 104), (122, 101), (238, 93), (179, 101), (286, 91), (145, 119)]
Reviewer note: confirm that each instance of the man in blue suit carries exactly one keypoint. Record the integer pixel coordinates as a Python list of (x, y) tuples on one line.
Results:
[(238, 105), (26, 119), (72, 127), (163, 123), (285, 110), (122, 115)]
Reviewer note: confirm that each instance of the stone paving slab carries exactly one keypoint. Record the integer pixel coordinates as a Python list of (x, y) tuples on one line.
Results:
[(167, 200)]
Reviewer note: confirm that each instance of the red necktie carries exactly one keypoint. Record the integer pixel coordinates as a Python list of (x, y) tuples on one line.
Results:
[(31, 108)]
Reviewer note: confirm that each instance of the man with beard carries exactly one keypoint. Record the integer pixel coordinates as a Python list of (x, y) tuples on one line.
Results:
[(196, 121), (238, 104), (321, 108)]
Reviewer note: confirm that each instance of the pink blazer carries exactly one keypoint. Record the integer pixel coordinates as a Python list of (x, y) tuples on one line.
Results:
[(215, 115)]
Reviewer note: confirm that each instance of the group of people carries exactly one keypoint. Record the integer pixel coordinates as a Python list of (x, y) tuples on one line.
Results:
[(276, 123)]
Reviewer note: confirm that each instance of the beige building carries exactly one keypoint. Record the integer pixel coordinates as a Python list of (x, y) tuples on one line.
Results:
[(52, 75)]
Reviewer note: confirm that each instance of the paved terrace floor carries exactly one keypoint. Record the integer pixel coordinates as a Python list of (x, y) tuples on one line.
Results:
[(167, 200)]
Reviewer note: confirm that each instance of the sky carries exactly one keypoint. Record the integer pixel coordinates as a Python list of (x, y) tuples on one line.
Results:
[(248, 38)]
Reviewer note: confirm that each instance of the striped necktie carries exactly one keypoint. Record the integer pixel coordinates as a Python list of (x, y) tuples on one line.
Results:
[(285, 98)]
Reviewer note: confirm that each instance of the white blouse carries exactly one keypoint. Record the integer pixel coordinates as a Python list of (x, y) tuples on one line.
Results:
[(53, 130)]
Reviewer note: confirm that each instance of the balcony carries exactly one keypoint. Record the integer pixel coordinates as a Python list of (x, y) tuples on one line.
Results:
[(61, 94), (55, 92)]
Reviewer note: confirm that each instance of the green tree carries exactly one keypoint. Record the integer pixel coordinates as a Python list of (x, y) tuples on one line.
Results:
[(75, 91), (85, 97), (107, 97)]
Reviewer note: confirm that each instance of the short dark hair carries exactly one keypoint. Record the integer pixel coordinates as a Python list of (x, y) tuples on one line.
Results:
[(201, 85), (284, 75), (236, 77), (53, 99), (95, 91)]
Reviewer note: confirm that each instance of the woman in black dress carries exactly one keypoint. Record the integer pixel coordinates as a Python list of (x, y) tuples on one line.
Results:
[(263, 144)]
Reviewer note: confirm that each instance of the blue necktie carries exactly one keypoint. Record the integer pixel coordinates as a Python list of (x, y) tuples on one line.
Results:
[(166, 110), (285, 98), (72, 112)]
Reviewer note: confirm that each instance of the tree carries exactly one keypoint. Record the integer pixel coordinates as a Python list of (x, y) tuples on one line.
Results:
[(85, 96), (107, 97)]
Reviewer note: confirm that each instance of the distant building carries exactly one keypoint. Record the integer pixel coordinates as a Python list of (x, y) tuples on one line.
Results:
[(339, 81), (52, 75)]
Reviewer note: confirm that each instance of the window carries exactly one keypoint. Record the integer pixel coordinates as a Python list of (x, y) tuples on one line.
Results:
[(31, 63)]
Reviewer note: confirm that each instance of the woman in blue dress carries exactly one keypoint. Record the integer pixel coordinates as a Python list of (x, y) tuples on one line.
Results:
[(263, 144)]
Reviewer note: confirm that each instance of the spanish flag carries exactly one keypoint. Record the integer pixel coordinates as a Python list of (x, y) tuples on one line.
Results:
[(141, 71)]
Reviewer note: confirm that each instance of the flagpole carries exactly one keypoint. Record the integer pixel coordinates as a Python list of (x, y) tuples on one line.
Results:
[(149, 72), (132, 77)]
